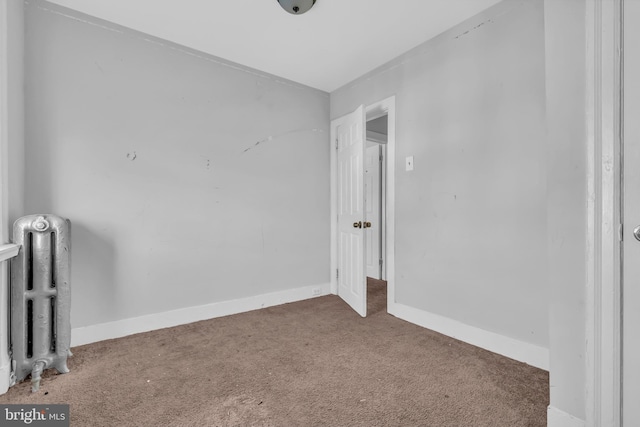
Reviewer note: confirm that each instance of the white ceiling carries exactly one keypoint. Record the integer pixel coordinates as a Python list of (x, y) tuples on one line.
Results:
[(327, 47)]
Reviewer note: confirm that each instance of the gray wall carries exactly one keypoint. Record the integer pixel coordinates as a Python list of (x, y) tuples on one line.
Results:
[(567, 201), (471, 218), (188, 180)]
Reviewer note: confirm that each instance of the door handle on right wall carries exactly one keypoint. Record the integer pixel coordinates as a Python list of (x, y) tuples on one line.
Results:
[(636, 232), (367, 224)]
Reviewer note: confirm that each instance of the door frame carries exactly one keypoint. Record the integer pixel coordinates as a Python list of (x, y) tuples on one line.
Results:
[(384, 107), (604, 213), (5, 361), (11, 168)]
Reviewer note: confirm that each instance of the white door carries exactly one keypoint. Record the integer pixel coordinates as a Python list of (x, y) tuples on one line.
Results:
[(372, 201), (631, 246), (352, 282)]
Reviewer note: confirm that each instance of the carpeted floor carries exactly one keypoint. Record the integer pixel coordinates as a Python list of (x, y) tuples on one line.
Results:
[(310, 363)]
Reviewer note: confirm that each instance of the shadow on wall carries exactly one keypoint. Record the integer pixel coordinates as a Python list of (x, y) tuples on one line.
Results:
[(93, 259)]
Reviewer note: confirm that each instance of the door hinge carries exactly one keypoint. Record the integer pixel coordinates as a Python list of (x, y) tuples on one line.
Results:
[(380, 158), (380, 261), (337, 273), (336, 143), (620, 233)]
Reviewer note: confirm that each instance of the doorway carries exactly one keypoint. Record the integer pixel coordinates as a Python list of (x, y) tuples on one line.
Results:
[(349, 221), (374, 195)]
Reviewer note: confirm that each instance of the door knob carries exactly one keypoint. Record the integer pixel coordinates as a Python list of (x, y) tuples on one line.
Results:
[(367, 224), (357, 224), (636, 232)]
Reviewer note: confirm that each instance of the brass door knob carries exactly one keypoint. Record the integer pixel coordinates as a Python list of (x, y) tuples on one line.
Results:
[(367, 224), (357, 224)]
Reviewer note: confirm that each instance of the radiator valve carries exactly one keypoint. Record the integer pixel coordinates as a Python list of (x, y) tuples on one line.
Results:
[(40, 224)]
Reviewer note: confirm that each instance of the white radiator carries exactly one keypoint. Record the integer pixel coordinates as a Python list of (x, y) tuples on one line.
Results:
[(40, 297)]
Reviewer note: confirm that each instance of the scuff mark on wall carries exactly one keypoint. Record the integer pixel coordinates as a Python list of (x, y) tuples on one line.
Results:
[(488, 21), (206, 160), (272, 137), (269, 138)]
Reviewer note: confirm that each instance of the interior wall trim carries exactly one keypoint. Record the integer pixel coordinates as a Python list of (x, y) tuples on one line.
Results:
[(167, 319), (558, 418), (521, 351)]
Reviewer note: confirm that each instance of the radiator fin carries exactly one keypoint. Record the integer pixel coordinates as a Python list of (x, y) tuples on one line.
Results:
[(53, 259)]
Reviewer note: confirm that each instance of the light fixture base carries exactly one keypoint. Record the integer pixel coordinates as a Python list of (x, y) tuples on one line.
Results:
[(297, 7)]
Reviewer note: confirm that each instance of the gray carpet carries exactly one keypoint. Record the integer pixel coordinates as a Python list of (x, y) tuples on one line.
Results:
[(310, 363)]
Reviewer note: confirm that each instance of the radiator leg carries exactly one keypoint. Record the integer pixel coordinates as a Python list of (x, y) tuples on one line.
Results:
[(38, 367), (61, 367)]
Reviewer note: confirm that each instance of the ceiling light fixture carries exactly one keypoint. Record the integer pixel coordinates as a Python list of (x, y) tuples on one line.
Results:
[(297, 7)]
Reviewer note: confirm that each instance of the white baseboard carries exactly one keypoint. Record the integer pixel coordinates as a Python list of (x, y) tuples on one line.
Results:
[(530, 354), (121, 328), (558, 418)]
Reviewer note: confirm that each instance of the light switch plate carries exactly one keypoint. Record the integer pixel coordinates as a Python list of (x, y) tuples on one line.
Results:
[(409, 163)]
